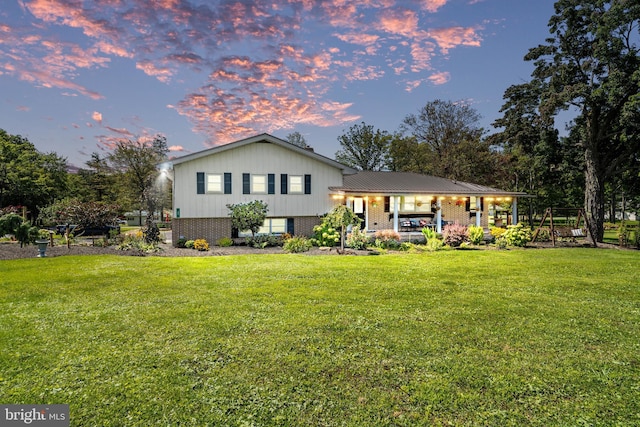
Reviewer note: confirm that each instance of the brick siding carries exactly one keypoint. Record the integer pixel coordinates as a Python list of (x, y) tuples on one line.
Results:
[(213, 229)]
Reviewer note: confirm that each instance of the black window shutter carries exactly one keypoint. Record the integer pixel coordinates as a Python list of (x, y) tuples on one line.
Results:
[(227, 183), (307, 184), (284, 183), (467, 205), (387, 203), (271, 183), (200, 182), (290, 229), (246, 183)]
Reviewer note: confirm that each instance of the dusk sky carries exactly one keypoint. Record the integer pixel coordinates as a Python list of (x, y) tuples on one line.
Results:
[(77, 74)]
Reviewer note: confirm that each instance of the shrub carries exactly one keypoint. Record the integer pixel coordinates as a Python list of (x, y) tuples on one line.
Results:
[(454, 234), (358, 239), (151, 232), (434, 245), (181, 243), (224, 242), (325, 235), (497, 232), (189, 244), (201, 245), (297, 244), (136, 244), (517, 235), (544, 235), (405, 246), (12, 223), (340, 218), (387, 239), (429, 233), (476, 234), (386, 235), (501, 243), (248, 216), (264, 240)]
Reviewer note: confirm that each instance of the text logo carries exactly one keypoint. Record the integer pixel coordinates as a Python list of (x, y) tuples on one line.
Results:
[(34, 415)]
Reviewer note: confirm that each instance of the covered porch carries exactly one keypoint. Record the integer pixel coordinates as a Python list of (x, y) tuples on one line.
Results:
[(407, 202)]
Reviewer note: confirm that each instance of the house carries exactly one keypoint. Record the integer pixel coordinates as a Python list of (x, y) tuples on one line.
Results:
[(299, 186), (293, 181)]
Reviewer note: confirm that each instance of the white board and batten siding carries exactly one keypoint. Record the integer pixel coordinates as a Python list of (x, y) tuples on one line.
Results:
[(258, 158)]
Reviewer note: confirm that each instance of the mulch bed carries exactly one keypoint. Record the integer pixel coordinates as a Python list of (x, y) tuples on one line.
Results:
[(12, 250)]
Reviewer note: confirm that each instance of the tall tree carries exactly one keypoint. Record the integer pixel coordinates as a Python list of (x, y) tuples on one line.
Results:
[(591, 66), (97, 182), (137, 162), (535, 159), (297, 139), (406, 154), (27, 177), (448, 142), (364, 148)]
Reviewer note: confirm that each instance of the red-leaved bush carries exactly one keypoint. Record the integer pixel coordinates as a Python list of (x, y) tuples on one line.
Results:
[(455, 234)]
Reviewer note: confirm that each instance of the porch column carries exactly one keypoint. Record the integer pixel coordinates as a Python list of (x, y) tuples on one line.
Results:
[(478, 212), (439, 216), (514, 211), (396, 202), (365, 201)]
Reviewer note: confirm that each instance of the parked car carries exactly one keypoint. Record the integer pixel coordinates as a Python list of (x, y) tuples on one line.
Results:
[(88, 231)]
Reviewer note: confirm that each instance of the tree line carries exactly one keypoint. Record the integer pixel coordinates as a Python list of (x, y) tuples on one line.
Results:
[(40, 186)]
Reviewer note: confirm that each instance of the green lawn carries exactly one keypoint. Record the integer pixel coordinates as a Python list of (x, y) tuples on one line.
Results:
[(540, 337)]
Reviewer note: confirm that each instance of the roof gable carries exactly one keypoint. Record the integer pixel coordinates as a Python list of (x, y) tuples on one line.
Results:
[(263, 138)]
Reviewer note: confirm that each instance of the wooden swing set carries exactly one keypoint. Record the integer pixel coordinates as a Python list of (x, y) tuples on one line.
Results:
[(565, 232)]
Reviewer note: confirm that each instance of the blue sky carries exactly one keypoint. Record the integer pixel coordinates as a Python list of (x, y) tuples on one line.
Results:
[(77, 75)]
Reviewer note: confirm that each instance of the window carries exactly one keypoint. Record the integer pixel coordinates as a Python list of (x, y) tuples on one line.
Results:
[(274, 226), (214, 183), (258, 183), (471, 202), (295, 184), (410, 204), (271, 226)]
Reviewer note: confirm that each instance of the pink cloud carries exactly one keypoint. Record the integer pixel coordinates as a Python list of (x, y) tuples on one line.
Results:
[(96, 116), (440, 78), (402, 22), (433, 5), (448, 38), (150, 68)]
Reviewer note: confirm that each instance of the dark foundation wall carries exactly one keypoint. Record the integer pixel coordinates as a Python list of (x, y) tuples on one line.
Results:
[(212, 229)]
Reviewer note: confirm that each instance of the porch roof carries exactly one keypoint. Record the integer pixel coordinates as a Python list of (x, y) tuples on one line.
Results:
[(394, 183)]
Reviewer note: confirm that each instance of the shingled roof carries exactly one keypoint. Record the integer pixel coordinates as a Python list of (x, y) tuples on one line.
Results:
[(387, 183)]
